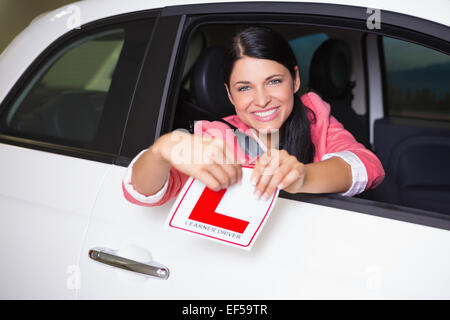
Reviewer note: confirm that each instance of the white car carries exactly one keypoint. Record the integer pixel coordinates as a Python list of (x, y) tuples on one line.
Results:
[(86, 87)]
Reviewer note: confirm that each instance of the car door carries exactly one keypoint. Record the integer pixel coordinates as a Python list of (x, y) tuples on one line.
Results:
[(323, 246), (61, 128)]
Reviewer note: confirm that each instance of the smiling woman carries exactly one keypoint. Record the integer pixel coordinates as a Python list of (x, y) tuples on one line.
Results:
[(315, 154)]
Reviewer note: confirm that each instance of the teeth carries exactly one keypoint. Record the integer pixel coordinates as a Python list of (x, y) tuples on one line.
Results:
[(267, 113)]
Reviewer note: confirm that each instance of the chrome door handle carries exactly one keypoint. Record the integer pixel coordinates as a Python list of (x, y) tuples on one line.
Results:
[(127, 264)]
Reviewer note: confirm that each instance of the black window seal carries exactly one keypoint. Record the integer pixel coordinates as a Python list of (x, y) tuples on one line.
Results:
[(58, 149), (85, 30), (375, 208), (383, 73), (366, 84)]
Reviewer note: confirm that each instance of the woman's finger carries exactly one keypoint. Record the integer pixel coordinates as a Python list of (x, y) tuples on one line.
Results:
[(232, 171), (230, 156), (209, 180), (293, 181), (233, 164), (228, 161), (220, 174), (259, 168), (239, 170), (266, 175), (279, 175)]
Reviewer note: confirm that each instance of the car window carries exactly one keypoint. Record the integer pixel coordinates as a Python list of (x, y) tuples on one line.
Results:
[(80, 93), (417, 81), (70, 90), (304, 48)]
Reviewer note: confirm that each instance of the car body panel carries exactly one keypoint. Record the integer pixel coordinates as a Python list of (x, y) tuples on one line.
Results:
[(45, 200)]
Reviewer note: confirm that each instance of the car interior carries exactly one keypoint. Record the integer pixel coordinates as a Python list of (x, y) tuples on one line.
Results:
[(414, 153)]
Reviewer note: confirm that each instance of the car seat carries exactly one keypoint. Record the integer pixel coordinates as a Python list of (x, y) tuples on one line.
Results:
[(329, 75), (207, 99), (416, 161)]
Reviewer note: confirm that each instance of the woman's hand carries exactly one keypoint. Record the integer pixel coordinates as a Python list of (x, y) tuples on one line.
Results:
[(277, 169), (206, 158)]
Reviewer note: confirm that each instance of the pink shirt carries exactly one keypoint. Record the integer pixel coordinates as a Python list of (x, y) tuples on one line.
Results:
[(327, 134)]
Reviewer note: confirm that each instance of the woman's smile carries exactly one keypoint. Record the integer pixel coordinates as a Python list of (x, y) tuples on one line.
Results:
[(266, 114)]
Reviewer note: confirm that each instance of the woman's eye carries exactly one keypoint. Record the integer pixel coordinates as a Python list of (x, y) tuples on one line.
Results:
[(275, 81), (245, 88)]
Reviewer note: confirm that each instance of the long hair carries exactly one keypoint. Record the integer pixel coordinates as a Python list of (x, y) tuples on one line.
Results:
[(264, 43)]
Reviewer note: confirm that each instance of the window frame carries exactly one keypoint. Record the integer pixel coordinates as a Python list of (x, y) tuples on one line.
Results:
[(151, 94), (116, 22), (394, 25)]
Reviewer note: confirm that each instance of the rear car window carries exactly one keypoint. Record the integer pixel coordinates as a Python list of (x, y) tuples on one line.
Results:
[(304, 48), (417, 81)]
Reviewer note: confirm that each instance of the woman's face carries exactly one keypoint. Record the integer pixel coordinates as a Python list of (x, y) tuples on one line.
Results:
[(262, 92)]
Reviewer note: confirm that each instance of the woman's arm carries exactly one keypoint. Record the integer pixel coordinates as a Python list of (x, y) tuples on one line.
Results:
[(206, 158), (150, 171), (331, 139), (329, 176)]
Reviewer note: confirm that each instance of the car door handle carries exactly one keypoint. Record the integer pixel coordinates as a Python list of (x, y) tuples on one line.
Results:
[(127, 264)]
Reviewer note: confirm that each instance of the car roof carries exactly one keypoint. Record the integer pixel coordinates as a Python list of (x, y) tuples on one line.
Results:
[(48, 27), (434, 10)]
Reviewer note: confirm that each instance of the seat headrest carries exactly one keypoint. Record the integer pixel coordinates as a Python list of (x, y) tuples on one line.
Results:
[(331, 68), (207, 81)]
